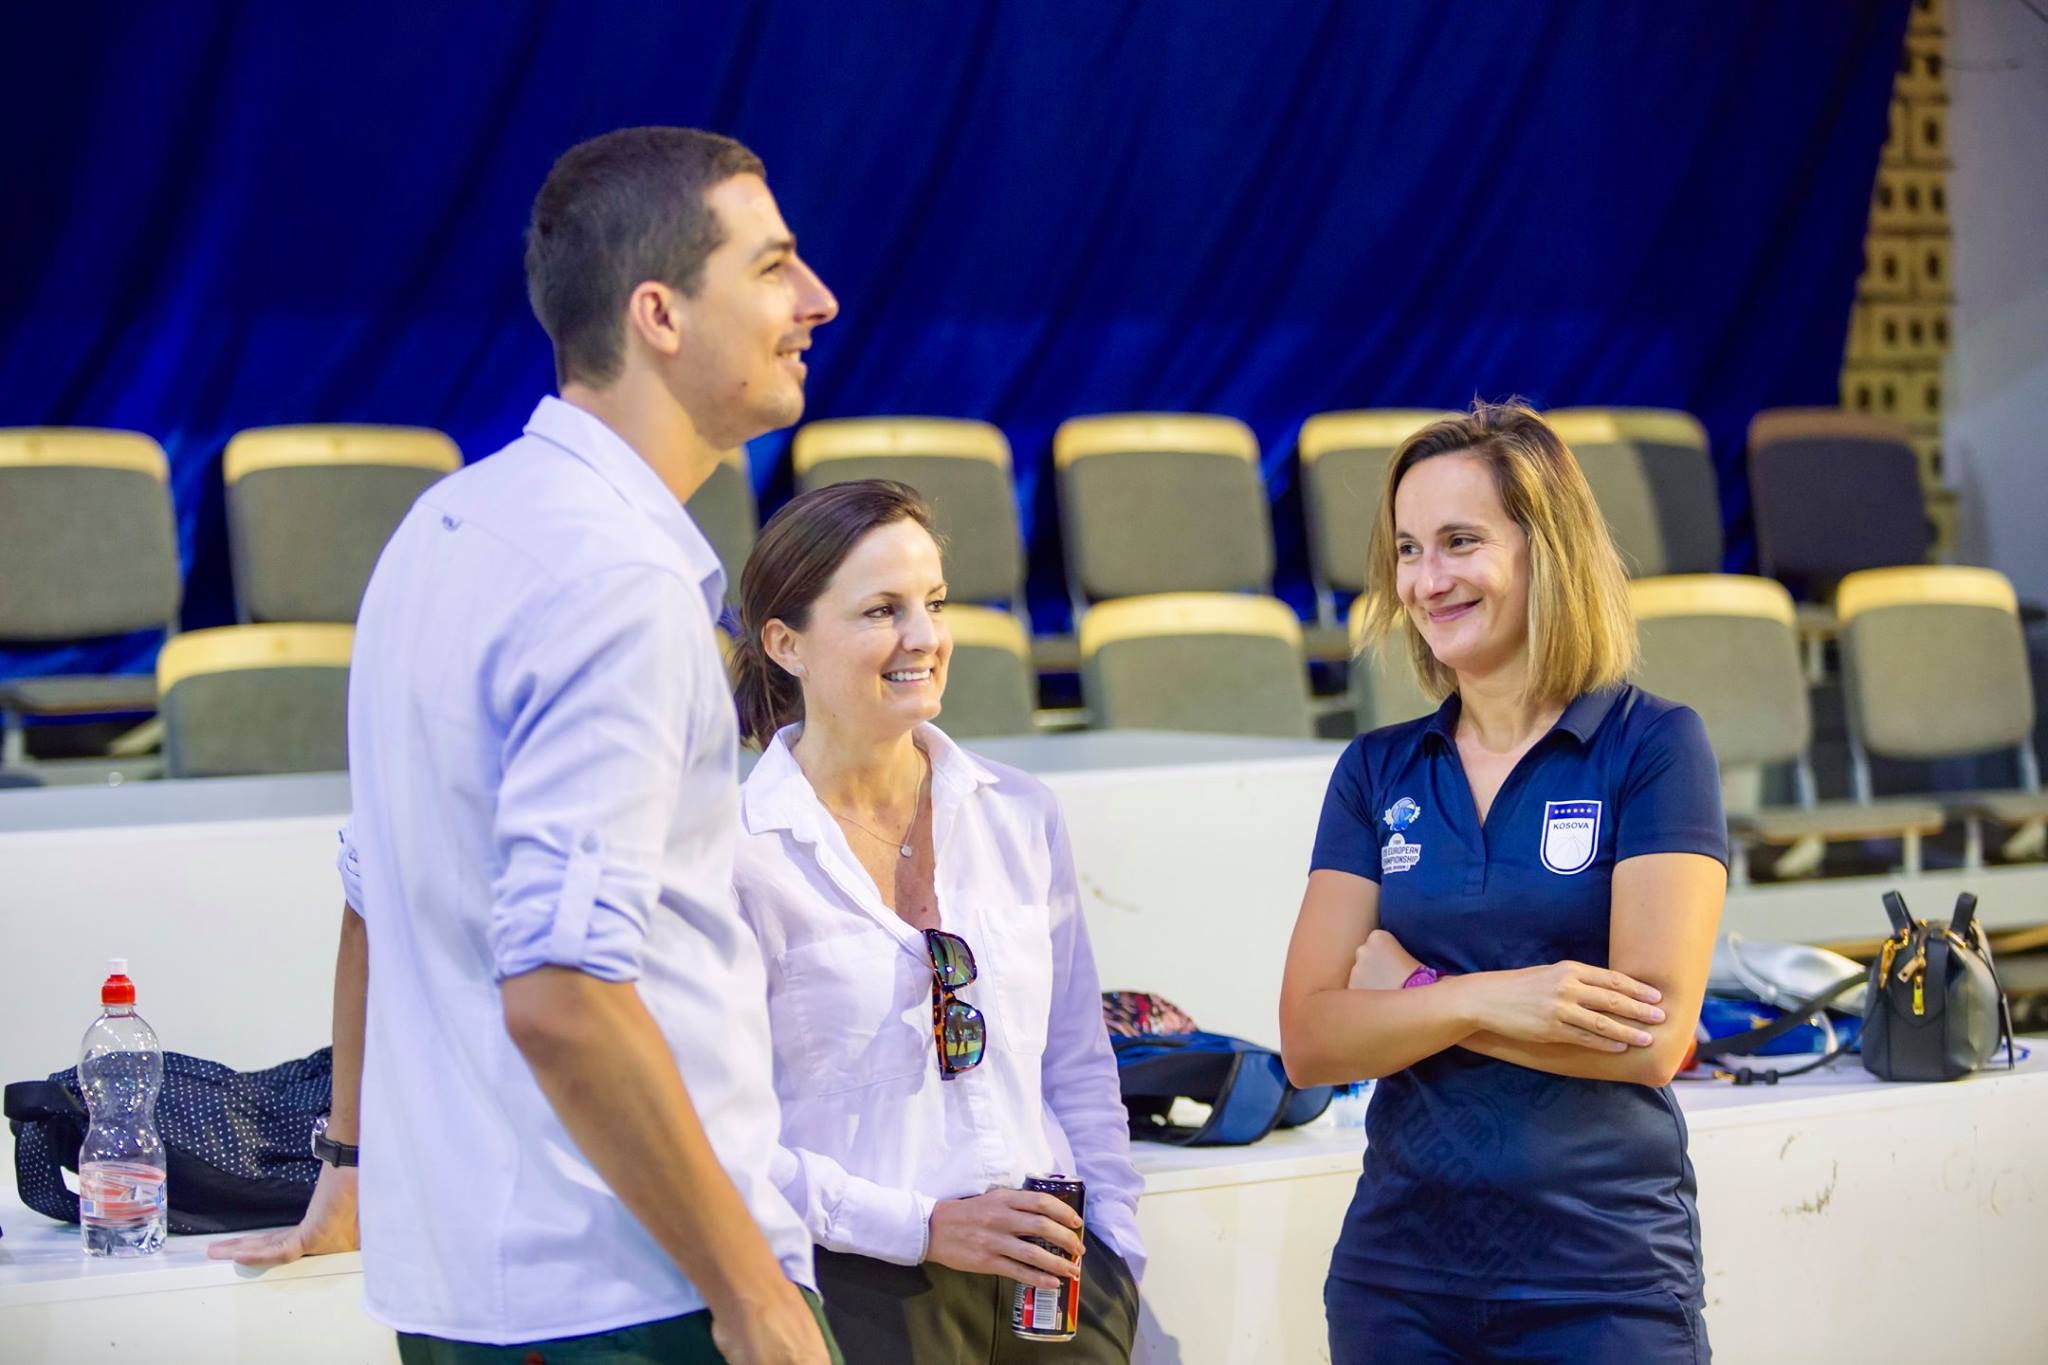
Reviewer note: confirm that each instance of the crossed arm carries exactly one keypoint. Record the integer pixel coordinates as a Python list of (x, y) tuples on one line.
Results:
[(1630, 1021)]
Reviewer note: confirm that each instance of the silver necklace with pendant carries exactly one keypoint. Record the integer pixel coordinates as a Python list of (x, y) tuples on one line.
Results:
[(903, 846)]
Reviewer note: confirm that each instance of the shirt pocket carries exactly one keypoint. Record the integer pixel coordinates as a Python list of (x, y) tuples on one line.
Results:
[(1020, 944), (861, 1007)]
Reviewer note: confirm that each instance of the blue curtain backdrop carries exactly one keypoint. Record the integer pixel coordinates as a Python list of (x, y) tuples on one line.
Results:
[(222, 216)]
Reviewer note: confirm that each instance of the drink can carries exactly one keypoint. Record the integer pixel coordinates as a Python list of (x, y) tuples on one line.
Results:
[(1049, 1314)]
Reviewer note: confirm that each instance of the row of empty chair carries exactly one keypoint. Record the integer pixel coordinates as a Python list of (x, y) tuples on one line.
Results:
[(1934, 661), (1150, 504), (89, 547), (1155, 503), (1934, 666)]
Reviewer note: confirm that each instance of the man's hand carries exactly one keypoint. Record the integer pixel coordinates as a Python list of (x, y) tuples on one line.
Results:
[(329, 1226), (779, 1331)]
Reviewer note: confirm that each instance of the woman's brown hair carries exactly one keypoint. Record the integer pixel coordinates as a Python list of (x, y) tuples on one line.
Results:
[(1582, 634), (799, 550)]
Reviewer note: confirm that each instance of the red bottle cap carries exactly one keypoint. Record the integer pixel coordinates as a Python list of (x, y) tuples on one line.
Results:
[(117, 989)]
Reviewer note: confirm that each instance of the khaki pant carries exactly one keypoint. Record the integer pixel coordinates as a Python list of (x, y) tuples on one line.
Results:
[(930, 1314)]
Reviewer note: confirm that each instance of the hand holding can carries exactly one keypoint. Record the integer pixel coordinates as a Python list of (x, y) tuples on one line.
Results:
[(1050, 1314)]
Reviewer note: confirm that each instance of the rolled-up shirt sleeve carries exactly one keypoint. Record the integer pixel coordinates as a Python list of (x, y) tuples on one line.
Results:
[(1079, 1070), (597, 726), (349, 865), (847, 1213)]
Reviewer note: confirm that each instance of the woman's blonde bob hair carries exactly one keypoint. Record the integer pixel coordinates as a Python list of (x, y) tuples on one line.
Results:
[(1582, 635)]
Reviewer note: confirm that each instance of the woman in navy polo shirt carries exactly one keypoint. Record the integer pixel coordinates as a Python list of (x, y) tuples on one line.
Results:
[(1551, 844)]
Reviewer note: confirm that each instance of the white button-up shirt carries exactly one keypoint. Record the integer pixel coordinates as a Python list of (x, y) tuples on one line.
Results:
[(872, 1136), (542, 764)]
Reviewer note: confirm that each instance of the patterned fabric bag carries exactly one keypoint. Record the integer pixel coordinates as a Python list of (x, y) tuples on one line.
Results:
[(237, 1144)]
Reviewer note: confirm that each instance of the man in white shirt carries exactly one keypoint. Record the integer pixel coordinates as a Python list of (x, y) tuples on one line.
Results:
[(545, 996)]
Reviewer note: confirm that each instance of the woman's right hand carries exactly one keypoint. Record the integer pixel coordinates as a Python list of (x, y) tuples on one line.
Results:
[(1566, 1002), (985, 1235)]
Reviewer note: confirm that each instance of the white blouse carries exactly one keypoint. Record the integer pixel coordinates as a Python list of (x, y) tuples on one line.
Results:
[(872, 1137)]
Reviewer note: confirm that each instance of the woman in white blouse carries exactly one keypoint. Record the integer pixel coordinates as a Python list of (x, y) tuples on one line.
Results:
[(882, 867)]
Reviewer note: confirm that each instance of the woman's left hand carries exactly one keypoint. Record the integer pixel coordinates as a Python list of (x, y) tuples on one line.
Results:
[(1381, 963)]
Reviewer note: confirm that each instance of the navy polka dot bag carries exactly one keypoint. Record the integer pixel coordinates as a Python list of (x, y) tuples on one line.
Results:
[(238, 1144)]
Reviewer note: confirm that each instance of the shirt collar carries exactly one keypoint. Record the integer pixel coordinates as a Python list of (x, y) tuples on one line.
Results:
[(1444, 724), (585, 436), (1581, 720), (777, 795), (1583, 717)]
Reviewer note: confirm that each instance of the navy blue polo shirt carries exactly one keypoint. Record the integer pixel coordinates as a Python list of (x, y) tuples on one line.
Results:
[(1483, 1178)]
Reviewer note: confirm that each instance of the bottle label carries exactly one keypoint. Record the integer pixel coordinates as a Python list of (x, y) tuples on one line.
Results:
[(119, 1192)]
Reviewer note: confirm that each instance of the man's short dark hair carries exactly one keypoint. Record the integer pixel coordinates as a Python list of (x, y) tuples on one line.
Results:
[(617, 211)]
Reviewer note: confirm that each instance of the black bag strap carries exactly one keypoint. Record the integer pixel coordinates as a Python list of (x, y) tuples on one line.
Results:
[(48, 1125), (1251, 1094), (39, 1101), (1745, 1075), (1794, 1017), (1895, 909), (1963, 920)]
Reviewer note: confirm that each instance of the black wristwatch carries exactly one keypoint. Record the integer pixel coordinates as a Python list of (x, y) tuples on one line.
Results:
[(327, 1149)]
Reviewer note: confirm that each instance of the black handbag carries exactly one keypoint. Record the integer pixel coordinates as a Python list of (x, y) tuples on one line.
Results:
[(1936, 1010), (237, 1144)]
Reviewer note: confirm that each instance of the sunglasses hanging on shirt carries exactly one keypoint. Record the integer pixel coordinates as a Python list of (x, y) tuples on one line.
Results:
[(957, 1027)]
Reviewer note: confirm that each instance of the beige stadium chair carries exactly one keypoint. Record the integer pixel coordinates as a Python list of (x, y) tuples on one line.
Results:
[(1934, 665), (240, 700), (1726, 646), (1344, 458), (725, 512), (88, 549), (1621, 486), (1161, 502), (1679, 465), (1208, 662), (989, 684), (310, 509), (963, 470)]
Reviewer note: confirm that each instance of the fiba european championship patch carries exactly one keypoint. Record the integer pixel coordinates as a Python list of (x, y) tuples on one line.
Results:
[(1397, 854)]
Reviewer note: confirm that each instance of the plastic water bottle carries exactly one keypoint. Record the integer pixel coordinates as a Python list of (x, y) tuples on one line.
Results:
[(121, 1196)]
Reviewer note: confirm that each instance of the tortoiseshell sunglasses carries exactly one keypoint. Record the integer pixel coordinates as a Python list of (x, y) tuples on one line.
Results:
[(957, 1027)]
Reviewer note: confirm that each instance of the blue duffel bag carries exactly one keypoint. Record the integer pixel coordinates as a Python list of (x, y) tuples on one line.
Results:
[(1161, 1057)]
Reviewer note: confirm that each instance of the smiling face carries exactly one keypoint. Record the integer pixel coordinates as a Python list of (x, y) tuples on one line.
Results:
[(874, 651), (739, 370), (1462, 565)]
